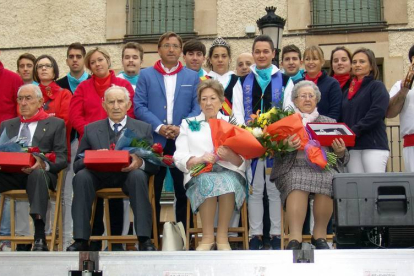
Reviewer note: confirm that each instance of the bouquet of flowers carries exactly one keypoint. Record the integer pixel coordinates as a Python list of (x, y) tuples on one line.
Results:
[(142, 148), (223, 133), (272, 142), (275, 125)]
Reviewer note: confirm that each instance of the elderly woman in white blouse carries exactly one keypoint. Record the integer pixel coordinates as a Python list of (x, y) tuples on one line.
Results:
[(225, 184)]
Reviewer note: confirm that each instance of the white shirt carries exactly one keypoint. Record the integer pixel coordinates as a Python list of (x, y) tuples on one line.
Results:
[(407, 112), (170, 81), (32, 127), (123, 123)]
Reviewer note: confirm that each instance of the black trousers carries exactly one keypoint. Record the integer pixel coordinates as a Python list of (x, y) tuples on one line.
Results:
[(134, 184), (36, 184), (178, 178)]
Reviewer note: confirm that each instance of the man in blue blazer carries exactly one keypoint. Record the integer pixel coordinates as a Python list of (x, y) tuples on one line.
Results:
[(165, 94)]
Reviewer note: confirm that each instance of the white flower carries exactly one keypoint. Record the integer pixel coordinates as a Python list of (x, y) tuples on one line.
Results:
[(257, 132)]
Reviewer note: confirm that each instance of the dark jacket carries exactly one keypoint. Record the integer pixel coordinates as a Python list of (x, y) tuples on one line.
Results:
[(257, 93), (365, 114), (331, 96)]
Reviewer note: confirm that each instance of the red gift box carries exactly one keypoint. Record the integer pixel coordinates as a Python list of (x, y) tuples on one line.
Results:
[(14, 162), (106, 160), (325, 133)]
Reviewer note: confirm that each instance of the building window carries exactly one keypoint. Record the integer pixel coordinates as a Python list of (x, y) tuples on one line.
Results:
[(346, 14), (155, 17)]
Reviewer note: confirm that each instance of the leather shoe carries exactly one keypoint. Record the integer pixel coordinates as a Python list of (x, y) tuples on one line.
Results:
[(320, 243), (205, 246), (95, 246), (223, 246), (147, 246), (40, 245), (294, 245), (79, 246)]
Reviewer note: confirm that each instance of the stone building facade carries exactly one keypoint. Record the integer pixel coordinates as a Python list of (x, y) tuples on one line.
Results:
[(46, 26)]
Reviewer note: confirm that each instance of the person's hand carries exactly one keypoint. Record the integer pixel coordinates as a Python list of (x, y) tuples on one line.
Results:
[(339, 147), (226, 154), (136, 163), (164, 131), (208, 158), (175, 131), (293, 141), (40, 164)]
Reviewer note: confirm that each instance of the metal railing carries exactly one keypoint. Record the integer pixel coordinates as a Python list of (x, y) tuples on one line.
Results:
[(339, 14)]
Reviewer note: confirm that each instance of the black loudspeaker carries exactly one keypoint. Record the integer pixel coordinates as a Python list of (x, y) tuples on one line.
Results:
[(374, 210)]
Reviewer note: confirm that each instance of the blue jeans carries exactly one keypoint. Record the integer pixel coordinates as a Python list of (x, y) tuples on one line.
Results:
[(5, 221)]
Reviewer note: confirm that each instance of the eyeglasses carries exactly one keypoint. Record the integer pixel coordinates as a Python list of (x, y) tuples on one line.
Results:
[(306, 96), (41, 66), (168, 46)]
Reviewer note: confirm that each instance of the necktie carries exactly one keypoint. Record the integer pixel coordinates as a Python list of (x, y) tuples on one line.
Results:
[(116, 130), (25, 134)]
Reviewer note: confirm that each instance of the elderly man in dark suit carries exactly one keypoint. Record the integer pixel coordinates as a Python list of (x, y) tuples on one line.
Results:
[(36, 129), (133, 179)]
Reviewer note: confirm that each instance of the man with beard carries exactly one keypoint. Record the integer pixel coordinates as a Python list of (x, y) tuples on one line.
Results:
[(132, 57)]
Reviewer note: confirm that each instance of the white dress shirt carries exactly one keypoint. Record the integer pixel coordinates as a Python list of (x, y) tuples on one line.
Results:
[(170, 81)]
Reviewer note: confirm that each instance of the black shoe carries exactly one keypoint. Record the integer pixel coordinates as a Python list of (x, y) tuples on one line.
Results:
[(24, 247), (79, 245), (95, 246), (255, 243), (40, 245), (294, 245), (147, 246), (320, 243)]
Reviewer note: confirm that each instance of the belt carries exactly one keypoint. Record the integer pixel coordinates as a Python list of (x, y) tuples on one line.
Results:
[(408, 140)]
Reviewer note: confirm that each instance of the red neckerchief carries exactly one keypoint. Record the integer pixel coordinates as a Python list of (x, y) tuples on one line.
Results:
[(342, 79), (315, 79), (158, 67), (41, 115), (49, 91), (354, 87), (101, 84)]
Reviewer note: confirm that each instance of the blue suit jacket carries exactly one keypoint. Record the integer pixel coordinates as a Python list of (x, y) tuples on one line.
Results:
[(150, 100)]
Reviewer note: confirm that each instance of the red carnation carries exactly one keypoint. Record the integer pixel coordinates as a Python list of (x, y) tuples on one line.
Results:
[(51, 157), (33, 150), (168, 160), (157, 148), (112, 146)]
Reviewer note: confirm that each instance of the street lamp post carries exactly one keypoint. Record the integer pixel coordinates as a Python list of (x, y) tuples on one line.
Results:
[(272, 25)]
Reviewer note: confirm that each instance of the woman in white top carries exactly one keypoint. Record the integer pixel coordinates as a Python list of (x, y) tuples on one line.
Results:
[(225, 183)]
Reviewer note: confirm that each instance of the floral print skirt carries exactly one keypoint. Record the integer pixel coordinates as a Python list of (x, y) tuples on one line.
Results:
[(218, 182)]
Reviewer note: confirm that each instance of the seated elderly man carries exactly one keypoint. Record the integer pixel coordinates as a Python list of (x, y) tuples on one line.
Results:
[(35, 128), (133, 179)]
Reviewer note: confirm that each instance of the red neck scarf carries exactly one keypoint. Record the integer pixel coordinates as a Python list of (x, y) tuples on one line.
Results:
[(101, 84), (49, 92), (158, 67), (315, 79), (41, 115), (354, 87), (342, 79)]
